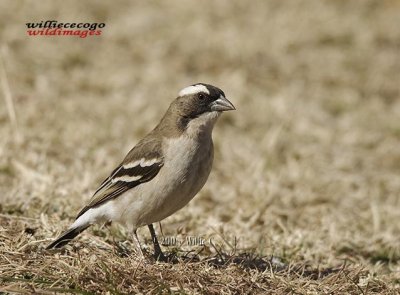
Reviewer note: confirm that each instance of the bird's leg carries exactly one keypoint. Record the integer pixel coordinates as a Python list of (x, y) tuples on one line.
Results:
[(158, 254), (138, 245)]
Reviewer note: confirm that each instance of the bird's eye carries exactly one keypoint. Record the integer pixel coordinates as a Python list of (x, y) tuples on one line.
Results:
[(201, 96)]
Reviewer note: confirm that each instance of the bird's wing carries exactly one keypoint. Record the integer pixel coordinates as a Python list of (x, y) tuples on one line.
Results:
[(141, 165)]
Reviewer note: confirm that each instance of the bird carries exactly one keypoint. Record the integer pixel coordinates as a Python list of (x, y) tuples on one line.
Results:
[(162, 173)]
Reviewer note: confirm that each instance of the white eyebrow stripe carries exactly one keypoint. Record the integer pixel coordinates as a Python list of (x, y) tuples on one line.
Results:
[(193, 90), (126, 178), (142, 162)]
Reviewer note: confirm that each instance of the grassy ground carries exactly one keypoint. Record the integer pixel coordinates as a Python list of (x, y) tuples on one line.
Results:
[(304, 193)]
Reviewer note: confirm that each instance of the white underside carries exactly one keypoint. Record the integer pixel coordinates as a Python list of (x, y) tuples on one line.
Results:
[(187, 165)]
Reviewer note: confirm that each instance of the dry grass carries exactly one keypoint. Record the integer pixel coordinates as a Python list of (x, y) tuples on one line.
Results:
[(306, 175)]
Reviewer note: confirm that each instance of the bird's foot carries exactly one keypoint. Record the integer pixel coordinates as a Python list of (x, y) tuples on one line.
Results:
[(159, 256)]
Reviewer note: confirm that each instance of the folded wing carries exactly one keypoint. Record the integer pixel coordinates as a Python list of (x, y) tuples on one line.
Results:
[(141, 165)]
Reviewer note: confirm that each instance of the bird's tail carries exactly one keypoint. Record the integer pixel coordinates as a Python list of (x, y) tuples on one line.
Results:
[(67, 236)]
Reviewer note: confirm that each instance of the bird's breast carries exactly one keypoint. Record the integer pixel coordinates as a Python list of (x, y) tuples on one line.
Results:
[(189, 160), (187, 165)]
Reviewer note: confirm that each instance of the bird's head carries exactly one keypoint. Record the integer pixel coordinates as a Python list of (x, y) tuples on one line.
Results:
[(196, 109), (200, 99)]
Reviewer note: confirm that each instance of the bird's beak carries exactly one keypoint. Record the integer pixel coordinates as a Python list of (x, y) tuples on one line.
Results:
[(222, 105)]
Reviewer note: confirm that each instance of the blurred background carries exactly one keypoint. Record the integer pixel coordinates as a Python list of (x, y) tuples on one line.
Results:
[(306, 168)]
